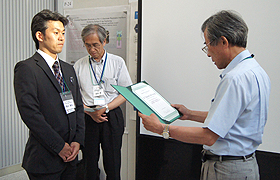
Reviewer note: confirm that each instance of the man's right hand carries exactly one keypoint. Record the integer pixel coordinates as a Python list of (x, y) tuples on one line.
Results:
[(98, 116), (65, 152)]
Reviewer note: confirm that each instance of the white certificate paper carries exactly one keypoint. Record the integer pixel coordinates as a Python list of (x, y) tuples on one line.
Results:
[(154, 100)]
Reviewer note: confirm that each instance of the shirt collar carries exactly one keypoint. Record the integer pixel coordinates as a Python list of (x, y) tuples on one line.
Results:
[(240, 57), (49, 60), (102, 59)]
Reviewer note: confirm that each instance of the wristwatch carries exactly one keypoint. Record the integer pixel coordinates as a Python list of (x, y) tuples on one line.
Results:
[(165, 133), (107, 108)]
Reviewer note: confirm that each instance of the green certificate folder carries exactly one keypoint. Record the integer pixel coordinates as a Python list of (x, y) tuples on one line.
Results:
[(144, 98)]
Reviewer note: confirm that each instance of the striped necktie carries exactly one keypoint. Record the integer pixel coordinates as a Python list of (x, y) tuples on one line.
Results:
[(58, 75)]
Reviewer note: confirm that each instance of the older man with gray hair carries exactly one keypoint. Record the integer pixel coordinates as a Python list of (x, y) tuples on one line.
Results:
[(103, 116), (233, 126)]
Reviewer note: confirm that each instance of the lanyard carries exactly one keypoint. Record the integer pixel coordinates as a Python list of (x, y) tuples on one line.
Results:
[(64, 85), (252, 55), (249, 57), (102, 70)]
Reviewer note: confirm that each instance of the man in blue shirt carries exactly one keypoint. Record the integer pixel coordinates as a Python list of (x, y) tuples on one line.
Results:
[(233, 127)]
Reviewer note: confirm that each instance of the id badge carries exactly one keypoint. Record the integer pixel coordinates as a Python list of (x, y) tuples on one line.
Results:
[(99, 101), (68, 101), (98, 91)]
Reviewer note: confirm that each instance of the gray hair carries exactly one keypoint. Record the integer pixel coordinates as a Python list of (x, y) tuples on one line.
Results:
[(228, 24), (94, 29)]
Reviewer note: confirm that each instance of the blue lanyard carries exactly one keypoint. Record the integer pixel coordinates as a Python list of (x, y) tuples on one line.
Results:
[(64, 85), (252, 55), (102, 70)]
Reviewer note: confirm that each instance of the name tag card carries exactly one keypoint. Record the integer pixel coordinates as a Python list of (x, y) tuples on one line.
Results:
[(68, 101), (98, 91)]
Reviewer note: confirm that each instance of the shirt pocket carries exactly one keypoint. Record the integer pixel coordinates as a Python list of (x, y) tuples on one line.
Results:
[(108, 82)]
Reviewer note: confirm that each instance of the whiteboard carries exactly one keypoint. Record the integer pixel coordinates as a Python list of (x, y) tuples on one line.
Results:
[(173, 63)]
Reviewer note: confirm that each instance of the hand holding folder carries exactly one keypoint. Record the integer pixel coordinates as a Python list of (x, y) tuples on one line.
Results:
[(147, 100)]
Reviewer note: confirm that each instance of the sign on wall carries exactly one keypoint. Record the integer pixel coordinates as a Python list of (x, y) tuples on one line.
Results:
[(113, 19)]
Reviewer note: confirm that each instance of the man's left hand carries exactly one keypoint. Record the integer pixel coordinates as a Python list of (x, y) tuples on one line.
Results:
[(75, 151)]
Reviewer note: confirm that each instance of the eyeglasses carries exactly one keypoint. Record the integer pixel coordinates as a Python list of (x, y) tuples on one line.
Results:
[(95, 45), (205, 48)]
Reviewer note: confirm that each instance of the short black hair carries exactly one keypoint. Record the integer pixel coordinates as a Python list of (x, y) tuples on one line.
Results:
[(39, 22)]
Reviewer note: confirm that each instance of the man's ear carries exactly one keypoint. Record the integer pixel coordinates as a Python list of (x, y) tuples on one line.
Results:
[(104, 42), (39, 35), (224, 41)]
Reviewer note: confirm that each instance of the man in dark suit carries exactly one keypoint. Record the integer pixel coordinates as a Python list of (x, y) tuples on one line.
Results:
[(49, 102)]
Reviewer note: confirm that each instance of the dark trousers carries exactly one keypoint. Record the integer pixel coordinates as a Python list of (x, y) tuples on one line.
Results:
[(109, 135), (68, 173)]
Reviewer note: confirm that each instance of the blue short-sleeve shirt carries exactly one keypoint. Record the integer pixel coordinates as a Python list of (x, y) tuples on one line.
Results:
[(238, 112)]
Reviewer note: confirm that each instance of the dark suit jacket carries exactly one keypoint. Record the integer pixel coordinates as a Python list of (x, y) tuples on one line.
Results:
[(42, 110)]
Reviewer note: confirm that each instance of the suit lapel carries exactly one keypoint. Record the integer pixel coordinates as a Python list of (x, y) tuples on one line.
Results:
[(44, 66)]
